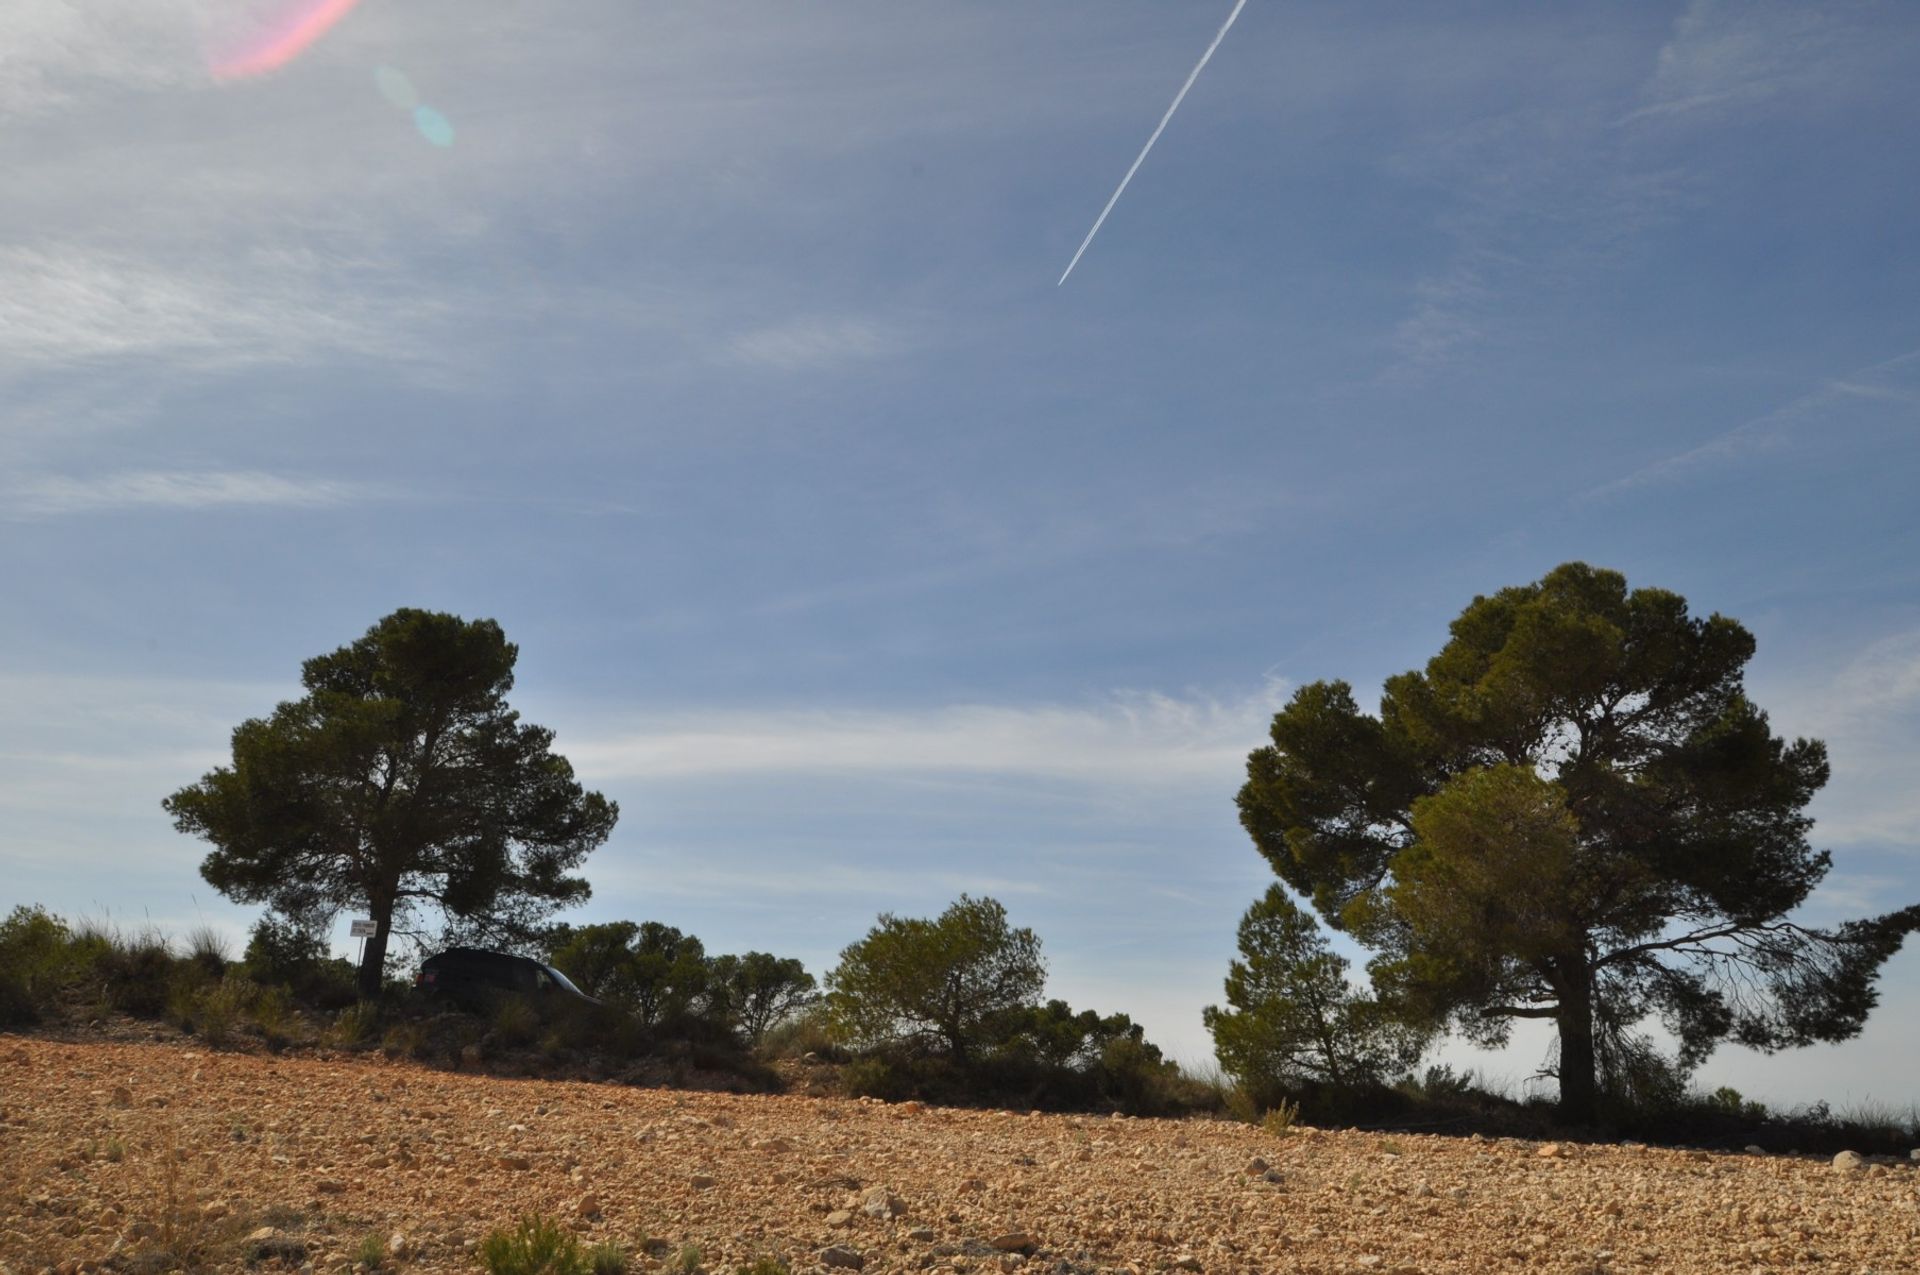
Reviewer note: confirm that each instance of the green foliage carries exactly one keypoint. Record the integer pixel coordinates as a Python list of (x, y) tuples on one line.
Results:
[(607, 1259), (687, 1261), (136, 974), (757, 992), (950, 983), (281, 951), (219, 1007), (808, 1032), (208, 950), (1293, 1017), (370, 1252), (1728, 1099), (651, 970), (355, 1025), (1573, 812), (536, 1245), (37, 961), (767, 1265), (515, 1021), (401, 779), (1280, 1117)]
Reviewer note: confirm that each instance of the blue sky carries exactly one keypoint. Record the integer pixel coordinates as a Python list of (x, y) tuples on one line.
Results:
[(719, 358)]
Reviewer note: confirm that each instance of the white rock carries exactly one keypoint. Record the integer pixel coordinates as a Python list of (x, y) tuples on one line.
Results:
[(1849, 1162)]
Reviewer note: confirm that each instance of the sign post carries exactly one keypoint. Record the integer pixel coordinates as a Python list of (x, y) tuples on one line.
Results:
[(362, 930)]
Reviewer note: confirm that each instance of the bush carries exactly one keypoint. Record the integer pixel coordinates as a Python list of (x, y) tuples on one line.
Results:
[(36, 961), (355, 1025), (272, 1014), (801, 1035), (1280, 1118), (950, 983), (218, 1007), (370, 1252), (877, 1077), (607, 1259), (281, 953), (515, 1021), (536, 1246), (208, 949), (137, 974)]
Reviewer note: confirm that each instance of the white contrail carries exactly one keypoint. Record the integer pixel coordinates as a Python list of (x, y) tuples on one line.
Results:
[(1198, 67)]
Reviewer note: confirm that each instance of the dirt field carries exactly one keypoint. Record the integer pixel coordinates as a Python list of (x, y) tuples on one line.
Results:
[(112, 1152)]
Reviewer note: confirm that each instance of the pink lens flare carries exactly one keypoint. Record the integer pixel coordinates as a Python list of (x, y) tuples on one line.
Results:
[(285, 40)]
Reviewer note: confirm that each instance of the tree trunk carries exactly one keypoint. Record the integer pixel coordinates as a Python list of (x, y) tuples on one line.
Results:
[(373, 962), (1579, 1094)]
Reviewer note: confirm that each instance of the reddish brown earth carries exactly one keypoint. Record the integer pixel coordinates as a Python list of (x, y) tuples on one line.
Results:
[(111, 1152)]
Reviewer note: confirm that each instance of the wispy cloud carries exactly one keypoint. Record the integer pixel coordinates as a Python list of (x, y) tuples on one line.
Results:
[(1868, 712), (66, 304), (1128, 739), (1878, 383), (52, 51), (1728, 55), (178, 489), (815, 342)]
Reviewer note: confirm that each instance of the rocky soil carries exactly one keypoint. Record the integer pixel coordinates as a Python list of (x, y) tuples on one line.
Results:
[(111, 1154)]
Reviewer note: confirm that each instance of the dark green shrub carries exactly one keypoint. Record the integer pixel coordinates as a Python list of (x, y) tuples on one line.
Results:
[(801, 1035), (515, 1021), (36, 961), (137, 975), (876, 1077)]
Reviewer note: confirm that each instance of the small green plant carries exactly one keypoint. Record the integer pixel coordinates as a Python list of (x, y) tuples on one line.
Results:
[(114, 1151), (687, 1261), (1280, 1118), (536, 1245), (217, 1008), (370, 1252), (768, 1265), (355, 1025), (607, 1259), (272, 1013), (1389, 1147)]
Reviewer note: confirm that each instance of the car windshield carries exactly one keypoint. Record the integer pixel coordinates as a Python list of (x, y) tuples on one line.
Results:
[(562, 979)]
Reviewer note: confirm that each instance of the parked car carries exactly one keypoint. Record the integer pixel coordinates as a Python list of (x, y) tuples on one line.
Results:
[(473, 975)]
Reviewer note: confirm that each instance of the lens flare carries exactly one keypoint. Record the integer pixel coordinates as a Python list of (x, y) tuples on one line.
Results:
[(285, 40), (433, 126)]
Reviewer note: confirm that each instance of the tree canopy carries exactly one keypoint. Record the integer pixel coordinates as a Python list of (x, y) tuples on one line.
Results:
[(1573, 813), (1293, 1018), (952, 983), (650, 969), (400, 780)]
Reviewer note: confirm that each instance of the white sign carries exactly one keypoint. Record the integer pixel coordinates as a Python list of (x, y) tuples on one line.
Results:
[(361, 930)]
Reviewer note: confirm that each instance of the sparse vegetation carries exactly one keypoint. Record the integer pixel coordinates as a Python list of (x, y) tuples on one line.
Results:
[(1280, 1117), (355, 1025), (515, 1021), (608, 1258), (371, 1252), (537, 1245), (767, 1265)]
